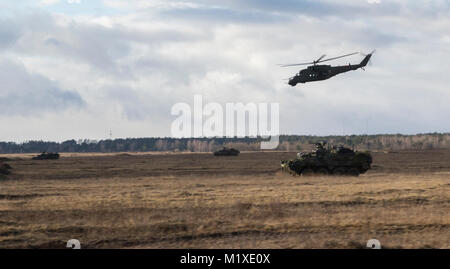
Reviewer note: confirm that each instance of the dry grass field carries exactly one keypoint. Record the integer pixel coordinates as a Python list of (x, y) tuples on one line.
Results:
[(201, 201)]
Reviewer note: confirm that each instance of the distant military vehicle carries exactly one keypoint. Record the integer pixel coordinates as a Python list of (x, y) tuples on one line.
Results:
[(336, 161), (4, 169), (227, 152), (47, 156)]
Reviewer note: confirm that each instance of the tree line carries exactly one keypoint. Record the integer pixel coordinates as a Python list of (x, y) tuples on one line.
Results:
[(287, 143)]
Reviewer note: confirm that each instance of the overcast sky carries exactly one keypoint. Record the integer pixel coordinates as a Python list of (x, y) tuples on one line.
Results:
[(78, 69)]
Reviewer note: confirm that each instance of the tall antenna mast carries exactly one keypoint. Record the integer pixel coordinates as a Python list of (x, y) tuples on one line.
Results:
[(367, 126), (367, 133)]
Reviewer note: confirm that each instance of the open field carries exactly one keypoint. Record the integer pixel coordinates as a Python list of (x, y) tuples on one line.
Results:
[(200, 201)]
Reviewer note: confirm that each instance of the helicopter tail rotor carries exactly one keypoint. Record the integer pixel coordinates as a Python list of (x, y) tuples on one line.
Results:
[(371, 53)]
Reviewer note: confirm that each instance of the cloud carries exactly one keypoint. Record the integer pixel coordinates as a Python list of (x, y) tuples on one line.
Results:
[(220, 14), (102, 47), (129, 68), (28, 94), (289, 9), (9, 33), (49, 2)]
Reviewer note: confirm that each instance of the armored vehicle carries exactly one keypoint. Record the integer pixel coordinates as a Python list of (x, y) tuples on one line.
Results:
[(336, 161), (227, 152), (4, 169), (47, 156)]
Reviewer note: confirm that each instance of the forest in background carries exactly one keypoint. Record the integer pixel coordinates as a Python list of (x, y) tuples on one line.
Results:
[(287, 143)]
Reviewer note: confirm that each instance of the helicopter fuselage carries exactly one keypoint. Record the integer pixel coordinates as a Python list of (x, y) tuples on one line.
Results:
[(323, 72)]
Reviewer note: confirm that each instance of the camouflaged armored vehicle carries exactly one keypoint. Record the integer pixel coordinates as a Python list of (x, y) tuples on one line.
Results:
[(227, 152), (336, 161), (47, 156), (4, 169)]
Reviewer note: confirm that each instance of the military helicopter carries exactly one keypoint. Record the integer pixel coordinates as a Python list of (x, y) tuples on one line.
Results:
[(321, 72)]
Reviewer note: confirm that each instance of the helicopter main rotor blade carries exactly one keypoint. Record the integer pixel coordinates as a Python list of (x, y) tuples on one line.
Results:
[(334, 58), (321, 57), (319, 60), (316, 61), (286, 65)]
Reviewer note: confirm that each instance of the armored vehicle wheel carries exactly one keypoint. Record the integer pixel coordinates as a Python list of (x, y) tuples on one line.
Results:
[(353, 172), (322, 171), (339, 171), (307, 172)]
